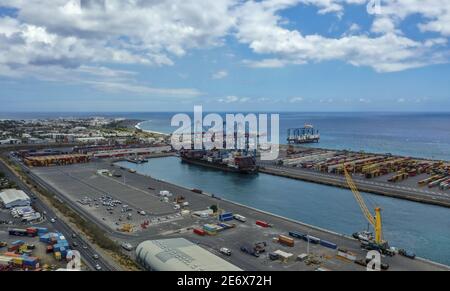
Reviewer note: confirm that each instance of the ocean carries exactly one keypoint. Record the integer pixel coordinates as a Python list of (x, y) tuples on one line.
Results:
[(409, 134)]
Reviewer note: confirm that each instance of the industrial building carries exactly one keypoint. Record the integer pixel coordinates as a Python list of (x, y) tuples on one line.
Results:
[(179, 254), (11, 198)]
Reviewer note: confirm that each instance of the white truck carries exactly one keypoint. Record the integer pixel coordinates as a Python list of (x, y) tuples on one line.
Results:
[(240, 218)]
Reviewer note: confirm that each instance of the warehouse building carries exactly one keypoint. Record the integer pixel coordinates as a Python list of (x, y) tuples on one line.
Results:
[(11, 198), (179, 254)]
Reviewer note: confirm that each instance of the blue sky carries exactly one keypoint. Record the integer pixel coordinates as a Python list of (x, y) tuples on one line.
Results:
[(296, 55)]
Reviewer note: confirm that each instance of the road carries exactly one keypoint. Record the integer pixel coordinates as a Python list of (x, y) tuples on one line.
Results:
[(86, 251), (397, 191)]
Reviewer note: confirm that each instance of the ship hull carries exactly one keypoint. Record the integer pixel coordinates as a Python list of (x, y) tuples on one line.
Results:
[(296, 141), (219, 166)]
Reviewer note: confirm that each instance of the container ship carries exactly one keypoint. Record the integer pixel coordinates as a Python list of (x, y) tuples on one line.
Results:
[(230, 161), (306, 134)]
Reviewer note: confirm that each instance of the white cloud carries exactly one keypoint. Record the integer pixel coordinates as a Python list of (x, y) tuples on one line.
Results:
[(234, 99), (259, 26), (354, 27), (413, 100), (117, 87), (73, 34), (296, 99), (435, 13), (265, 63), (219, 75)]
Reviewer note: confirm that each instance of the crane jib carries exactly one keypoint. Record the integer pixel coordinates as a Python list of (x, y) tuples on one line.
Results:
[(375, 221)]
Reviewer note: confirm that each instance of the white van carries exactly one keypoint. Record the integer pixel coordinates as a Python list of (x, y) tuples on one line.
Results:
[(240, 218)]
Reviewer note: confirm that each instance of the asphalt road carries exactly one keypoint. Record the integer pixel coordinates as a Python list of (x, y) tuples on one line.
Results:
[(87, 252)]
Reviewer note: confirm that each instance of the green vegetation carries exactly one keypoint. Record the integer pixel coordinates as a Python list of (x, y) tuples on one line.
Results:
[(214, 208), (5, 183)]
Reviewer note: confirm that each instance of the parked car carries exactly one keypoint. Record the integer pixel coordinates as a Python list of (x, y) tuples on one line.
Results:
[(407, 254), (225, 251), (127, 246)]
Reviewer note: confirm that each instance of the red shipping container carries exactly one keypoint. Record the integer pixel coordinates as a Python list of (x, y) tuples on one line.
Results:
[(262, 223), (199, 231), (13, 248), (10, 254)]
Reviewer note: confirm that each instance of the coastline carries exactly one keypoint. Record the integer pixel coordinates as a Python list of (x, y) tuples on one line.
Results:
[(138, 126)]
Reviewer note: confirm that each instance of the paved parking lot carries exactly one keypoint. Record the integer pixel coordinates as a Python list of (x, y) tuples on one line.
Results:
[(83, 185)]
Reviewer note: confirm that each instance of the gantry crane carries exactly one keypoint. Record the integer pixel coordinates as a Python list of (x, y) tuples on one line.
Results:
[(375, 221)]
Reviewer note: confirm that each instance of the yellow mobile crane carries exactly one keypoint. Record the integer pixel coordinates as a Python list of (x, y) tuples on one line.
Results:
[(375, 221)]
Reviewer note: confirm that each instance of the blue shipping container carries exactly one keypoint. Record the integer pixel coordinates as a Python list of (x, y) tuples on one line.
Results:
[(328, 244), (297, 235), (226, 216), (313, 240), (41, 230)]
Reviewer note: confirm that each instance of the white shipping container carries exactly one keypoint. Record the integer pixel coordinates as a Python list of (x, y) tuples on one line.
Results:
[(239, 218), (348, 256), (5, 260), (284, 255)]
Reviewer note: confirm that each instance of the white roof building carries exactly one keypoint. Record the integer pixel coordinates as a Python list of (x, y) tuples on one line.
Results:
[(11, 198), (179, 254)]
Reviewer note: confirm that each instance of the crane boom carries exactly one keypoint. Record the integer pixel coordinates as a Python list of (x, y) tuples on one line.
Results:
[(374, 221)]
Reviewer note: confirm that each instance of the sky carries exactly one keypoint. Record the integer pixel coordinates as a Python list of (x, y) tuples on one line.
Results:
[(226, 55)]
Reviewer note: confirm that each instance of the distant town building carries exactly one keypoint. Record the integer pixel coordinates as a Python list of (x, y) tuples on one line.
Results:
[(10, 141), (89, 139)]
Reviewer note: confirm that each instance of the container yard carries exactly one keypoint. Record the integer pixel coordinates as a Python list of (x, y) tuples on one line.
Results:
[(391, 168), (78, 155), (33, 249), (255, 240), (59, 160), (408, 178)]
